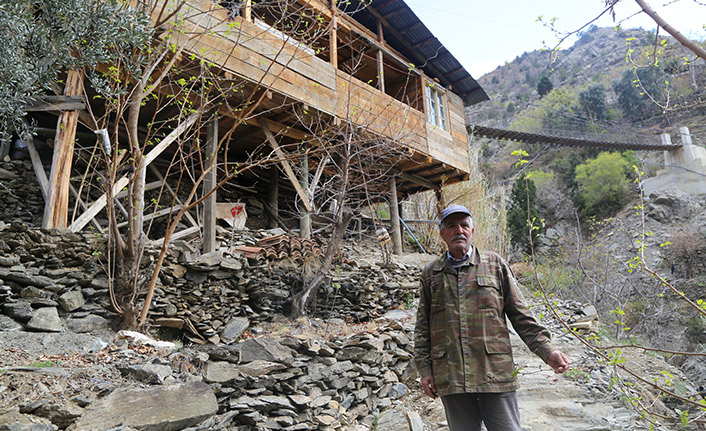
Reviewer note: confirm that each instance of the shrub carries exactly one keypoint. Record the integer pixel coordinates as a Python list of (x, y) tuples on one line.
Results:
[(603, 184), (544, 86)]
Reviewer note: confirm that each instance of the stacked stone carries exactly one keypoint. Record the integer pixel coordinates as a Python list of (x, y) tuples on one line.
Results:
[(293, 384), (45, 273), (20, 193)]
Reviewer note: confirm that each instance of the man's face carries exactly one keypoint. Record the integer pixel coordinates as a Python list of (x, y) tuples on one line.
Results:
[(457, 233)]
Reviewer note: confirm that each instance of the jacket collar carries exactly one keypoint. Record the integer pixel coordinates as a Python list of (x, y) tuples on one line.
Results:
[(441, 263)]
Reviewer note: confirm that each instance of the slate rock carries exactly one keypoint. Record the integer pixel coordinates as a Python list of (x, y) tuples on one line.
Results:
[(220, 372), (148, 373), (160, 408), (45, 319), (89, 323), (393, 420), (8, 324), (72, 300), (398, 390), (13, 420), (234, 329), (266, 349)]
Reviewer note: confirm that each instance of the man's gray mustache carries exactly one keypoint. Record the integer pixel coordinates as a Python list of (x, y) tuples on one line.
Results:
[(459, 236)]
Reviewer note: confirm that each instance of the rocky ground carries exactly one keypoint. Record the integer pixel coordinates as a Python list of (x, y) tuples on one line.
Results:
[(348, 369), (221, 355)]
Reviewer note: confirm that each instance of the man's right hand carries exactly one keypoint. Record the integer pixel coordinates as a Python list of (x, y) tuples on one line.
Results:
[(428, 386)]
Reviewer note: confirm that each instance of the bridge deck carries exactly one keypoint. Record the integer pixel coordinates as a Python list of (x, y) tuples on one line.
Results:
[(534, 138)]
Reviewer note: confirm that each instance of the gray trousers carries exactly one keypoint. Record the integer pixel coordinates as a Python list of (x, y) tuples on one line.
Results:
[(498, 411)]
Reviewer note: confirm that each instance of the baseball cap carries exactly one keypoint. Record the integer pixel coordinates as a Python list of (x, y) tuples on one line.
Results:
[(453, 209)]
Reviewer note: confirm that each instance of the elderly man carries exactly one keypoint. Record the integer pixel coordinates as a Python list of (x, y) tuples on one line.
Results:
[(462, 344)]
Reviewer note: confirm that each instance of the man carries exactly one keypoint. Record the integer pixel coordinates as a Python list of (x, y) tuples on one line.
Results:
[(461, 342)]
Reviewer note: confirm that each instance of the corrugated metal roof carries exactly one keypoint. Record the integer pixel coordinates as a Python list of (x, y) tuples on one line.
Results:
[(408, 35)]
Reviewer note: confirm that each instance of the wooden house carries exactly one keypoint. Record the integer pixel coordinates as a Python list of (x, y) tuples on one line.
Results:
[(286, 71)]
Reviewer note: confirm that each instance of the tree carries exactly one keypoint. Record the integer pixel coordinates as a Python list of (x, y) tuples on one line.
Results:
[(637, 88), (592, 102), (603, 184), (544, 86), (43, 38), (523, 221)]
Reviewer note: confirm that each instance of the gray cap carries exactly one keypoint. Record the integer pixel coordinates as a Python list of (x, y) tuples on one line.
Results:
[(453, 209)]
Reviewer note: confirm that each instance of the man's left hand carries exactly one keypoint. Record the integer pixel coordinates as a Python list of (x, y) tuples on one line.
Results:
[(558, 361)]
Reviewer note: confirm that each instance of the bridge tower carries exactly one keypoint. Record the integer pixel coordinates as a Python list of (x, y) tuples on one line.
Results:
[(685, 167)]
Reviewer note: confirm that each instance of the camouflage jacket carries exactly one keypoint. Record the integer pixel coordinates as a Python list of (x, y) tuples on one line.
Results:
[(461, 337)]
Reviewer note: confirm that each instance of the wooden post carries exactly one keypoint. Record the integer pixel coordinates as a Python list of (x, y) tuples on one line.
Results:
[(395, 218), (273, 196), (56, 208), (209, 182), (381, 68), (333, 36), (247, 13), (440, 204), (304, 215)]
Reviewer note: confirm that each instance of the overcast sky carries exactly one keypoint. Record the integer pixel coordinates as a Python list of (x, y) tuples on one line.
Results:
[(483, 35)]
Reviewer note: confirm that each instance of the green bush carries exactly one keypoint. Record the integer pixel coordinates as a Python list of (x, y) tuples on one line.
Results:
[(603, 184), (592, 102), (544, 86), (632, 98)]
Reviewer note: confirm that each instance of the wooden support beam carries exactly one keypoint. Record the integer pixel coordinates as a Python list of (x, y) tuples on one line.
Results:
[(83, 205), (304, 216), (395, 218), (98, 205), (333, 36), (247, 12), (56, 103), (380, 60), (287, 167), (56, 208), (37, 165), (209, 183), (177, 235)]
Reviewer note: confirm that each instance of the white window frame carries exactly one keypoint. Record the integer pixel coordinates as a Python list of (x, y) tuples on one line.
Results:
[(437, 105)]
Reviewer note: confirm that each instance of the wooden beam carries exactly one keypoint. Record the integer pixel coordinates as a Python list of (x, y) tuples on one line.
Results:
[(333, 37), (287, 167), (98, 205), (56, 208), (156, 214), (37, 165), (209, 183), (380, 60), (304, 216), (56, 103), (412, 27), (395, 218), (247, 13)]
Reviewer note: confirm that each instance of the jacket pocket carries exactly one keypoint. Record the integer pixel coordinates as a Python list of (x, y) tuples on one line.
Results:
[(489, 293), (500, 365)]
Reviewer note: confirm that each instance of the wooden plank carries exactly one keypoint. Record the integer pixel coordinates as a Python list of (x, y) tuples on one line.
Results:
[(100, 203), (159, 175), (56, 207), (287, 168), (177, 235)]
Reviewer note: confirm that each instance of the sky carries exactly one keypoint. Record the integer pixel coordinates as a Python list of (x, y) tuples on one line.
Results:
[(484, 34)]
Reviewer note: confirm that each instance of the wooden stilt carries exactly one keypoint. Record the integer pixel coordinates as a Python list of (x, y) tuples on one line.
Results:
[(209, 182), (396, 233), (304, 216), (56, 207)]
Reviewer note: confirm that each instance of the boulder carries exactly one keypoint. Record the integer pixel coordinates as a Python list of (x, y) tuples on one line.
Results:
[(45, 319)]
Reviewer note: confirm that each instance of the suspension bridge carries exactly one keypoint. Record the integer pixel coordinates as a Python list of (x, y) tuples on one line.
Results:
[(684, 163)]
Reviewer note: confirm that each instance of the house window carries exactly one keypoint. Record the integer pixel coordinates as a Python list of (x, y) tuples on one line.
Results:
[(436, 106)]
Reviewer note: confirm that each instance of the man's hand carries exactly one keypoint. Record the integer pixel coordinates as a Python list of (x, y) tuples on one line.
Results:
[(428, 386), (557, 360)]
